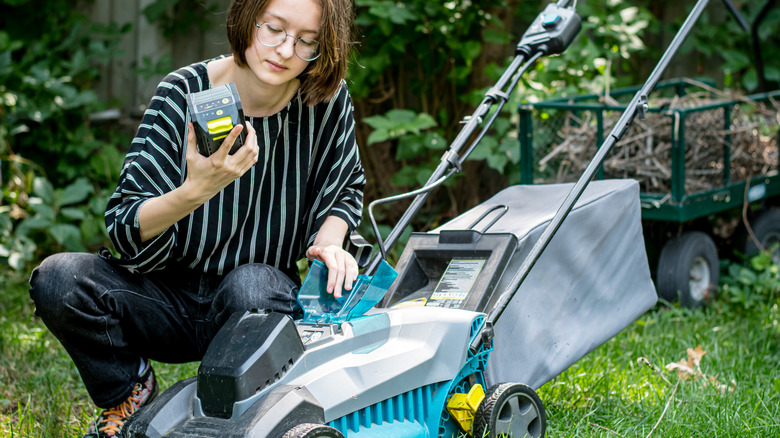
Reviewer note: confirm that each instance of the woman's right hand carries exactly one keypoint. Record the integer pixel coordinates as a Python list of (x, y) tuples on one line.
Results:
[(206, 176)]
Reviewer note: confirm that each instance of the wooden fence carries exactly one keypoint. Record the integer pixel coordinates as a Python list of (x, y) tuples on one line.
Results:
[(145, 45)]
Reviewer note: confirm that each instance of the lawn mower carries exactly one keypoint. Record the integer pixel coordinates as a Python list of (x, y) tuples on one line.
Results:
[(454, 341)]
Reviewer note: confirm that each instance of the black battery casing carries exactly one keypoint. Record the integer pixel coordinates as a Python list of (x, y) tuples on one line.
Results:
[(214, 113)]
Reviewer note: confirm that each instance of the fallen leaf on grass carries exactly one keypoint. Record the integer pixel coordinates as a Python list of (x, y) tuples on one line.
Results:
[(690, 368)]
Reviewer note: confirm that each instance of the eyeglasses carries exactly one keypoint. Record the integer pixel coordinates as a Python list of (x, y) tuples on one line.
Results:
[(272, 35)]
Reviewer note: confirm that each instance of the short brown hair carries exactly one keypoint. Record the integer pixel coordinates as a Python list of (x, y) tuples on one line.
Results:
[(322, 78)]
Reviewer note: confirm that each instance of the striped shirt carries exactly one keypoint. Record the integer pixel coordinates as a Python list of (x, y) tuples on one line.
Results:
[(308, 169)]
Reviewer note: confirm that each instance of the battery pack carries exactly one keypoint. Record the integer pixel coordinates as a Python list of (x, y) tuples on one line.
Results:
[(214, 113)]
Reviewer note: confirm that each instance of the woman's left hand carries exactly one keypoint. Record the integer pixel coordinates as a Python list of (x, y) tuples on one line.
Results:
[(342, 267)]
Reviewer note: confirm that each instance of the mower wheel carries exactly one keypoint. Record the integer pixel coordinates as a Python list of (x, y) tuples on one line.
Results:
[(311, 430), (510, 410), (688, 268)]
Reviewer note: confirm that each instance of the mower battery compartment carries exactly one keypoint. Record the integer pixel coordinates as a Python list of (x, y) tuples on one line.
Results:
[(453, 269)]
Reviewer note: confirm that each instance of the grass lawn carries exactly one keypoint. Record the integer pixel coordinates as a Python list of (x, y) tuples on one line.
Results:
[(728, 387)]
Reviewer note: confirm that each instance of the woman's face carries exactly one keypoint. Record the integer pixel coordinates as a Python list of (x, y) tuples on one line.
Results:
[(279, 65)]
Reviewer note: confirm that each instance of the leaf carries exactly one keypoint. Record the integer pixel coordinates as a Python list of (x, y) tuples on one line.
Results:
[(750, 79), (397, 123), (684, 372), (484, 150), (409, 147), (493, 36), (16, 261), (68, 236), (378, 136), (772, 73), (378, 122), (511, 147), (423, 175), (73, 213), (497, 161), (435, 141), (406, 176), (33, 223), (471, 49), (158, 9), (690, 367), (43, 210), (76, 192), (400, 116), (695, 355), (44, 189)]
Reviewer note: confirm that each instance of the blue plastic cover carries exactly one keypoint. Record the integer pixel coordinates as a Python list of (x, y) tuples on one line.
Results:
[(320, 307)]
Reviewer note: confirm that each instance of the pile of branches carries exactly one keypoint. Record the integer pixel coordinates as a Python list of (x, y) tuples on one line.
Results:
[(644, 151)]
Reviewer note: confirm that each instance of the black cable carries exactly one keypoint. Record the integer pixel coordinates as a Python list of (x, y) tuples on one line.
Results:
[(501, 103), (399, 197)]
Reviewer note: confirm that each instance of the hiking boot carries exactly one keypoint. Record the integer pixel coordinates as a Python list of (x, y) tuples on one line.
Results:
[(109, 423)]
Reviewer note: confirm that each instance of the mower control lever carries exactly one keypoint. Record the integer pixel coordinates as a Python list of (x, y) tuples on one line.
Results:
[(484, 338), (551, 32)]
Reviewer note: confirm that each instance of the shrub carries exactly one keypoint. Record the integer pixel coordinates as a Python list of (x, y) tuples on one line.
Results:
[(50, 56)]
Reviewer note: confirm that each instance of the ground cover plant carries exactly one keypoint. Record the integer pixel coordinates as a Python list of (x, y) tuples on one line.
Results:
[(673, 373)]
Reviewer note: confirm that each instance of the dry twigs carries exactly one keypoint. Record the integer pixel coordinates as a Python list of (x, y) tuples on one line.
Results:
[(644, 152), (644, 361), (666, 407)]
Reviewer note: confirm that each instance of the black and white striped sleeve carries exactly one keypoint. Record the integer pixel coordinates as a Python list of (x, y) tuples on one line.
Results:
[(153, 166), (338, 174), (349, 201)]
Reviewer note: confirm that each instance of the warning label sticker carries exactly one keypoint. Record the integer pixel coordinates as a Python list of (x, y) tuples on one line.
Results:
[(455, 285)]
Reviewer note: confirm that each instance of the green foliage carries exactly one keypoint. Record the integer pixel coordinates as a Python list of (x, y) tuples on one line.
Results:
[(419, 57), (414, 137), (753, 284), (177, 17), (396, 124), (436, 41), (725, 40), (501, 151), (599, 59), (50, 58)]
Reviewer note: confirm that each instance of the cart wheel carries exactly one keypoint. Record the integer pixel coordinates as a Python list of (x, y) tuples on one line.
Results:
[(688, 267), (766, 227), (311, 430), (510, 410)]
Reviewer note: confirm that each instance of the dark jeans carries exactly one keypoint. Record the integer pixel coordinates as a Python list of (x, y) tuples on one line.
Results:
[(108, 317)]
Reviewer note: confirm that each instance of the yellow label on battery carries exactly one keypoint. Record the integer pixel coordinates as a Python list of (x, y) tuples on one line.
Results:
[(217, 126)]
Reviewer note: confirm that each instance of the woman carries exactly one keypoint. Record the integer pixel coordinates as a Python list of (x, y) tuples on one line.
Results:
[(201, 238)]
